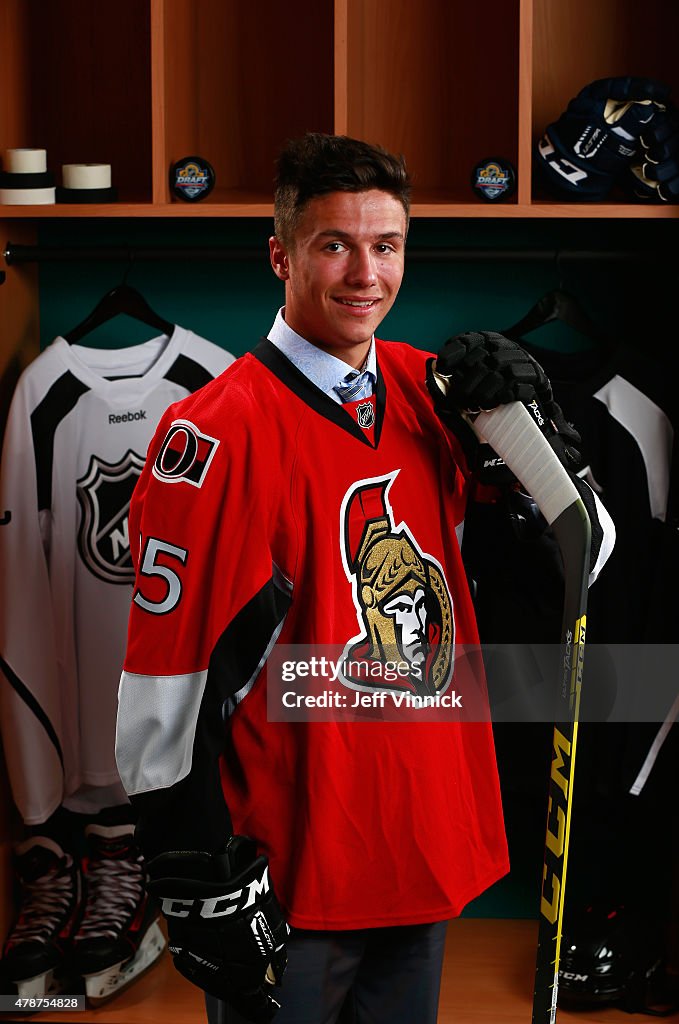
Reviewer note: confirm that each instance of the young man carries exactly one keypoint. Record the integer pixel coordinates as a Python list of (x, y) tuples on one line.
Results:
[(311, 496)]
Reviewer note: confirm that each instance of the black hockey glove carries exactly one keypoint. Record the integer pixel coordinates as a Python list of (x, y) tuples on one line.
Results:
[(528, 523), (591, 146), (226, 929), (483, 370), (654, 173)]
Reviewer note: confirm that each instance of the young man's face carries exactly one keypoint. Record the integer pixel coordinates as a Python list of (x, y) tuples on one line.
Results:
[(344, 269)]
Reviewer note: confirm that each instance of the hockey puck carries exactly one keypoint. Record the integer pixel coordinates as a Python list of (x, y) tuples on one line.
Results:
[(493, 179), (191, 179)]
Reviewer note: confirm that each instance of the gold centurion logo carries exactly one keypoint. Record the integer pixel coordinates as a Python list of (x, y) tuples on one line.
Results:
[(402, 600)]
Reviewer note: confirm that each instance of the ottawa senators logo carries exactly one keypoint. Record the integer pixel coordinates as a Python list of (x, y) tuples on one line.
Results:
[(401, 596), (185, 455), (104, 494)]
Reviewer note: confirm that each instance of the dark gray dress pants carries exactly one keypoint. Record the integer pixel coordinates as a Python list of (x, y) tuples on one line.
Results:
[(367, 976)]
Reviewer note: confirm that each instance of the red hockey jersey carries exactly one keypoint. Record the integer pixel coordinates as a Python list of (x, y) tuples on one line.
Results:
[(269, 515)]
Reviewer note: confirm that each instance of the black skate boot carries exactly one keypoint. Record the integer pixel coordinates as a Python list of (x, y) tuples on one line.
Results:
[(118, 937), (33, 954)]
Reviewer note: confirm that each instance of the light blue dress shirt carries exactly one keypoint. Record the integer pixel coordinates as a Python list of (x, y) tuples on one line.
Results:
[(322, 369)]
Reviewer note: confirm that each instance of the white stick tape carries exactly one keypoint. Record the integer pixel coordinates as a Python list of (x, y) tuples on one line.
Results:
[(27, 196), (512, 432), (86, 175), (514, 435), (26, 161)]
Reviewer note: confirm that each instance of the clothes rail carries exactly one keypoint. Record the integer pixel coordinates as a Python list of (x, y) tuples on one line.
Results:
[(16, 254)]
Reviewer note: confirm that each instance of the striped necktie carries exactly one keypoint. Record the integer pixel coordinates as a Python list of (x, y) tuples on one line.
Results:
[(354, 386)]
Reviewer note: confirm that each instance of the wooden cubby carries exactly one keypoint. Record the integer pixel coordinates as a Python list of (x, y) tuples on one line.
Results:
[(76, 81), (141, 83), (578, 42), (235, 81), (416, 86)]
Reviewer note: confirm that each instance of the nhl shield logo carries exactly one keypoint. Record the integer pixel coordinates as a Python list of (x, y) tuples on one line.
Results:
[(104, 494), (365, 415)]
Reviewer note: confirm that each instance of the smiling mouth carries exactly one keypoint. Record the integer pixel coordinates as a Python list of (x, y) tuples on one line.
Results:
[(358, 303)]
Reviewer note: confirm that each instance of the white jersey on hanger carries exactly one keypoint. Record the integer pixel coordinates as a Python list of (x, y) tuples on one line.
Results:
[(77, 433)]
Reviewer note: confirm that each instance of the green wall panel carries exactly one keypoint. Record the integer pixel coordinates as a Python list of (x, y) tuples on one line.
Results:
[(233, 303)]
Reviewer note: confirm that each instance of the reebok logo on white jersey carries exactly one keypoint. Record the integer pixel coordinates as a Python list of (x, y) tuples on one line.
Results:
[(127, 417)]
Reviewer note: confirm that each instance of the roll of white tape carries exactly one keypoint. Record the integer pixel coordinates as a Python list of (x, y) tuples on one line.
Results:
[(86, 175), (26, 161), (27, 196)]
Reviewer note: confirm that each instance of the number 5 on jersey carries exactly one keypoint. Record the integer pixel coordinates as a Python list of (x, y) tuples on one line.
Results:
[(151, 567)]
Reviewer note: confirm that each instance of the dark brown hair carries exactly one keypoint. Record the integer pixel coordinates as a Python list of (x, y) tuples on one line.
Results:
[(318, 164)]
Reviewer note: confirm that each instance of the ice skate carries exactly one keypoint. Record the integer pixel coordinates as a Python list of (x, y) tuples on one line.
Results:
[(33, 954), (119, 936)]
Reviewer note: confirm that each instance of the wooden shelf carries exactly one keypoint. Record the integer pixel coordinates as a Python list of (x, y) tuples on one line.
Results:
[(256, 208), (262, 208)]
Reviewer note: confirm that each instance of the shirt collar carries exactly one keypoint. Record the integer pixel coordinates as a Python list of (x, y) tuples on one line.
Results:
[(322, 369)]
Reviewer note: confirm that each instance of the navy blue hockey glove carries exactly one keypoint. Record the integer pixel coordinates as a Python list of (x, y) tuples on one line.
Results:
[(653, 175), (483, 370), (591, 146), (226, 928)]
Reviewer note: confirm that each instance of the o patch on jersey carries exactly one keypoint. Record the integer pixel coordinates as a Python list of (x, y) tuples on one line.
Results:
[(185, 455), (104, 494)]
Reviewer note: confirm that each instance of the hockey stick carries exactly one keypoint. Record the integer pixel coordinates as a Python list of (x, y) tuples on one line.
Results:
[(516, 437), (512, 433)]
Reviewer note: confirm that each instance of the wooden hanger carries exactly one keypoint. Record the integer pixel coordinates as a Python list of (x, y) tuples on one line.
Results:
[(121, 300)]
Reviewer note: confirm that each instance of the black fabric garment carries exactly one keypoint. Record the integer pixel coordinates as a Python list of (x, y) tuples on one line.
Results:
[(627, 461), (624, 405)]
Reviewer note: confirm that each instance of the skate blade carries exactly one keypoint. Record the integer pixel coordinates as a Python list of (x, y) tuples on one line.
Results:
[(106, 984), (38, 987)]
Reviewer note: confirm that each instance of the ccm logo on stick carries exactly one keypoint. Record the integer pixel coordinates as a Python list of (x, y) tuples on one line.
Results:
[(185, 454)]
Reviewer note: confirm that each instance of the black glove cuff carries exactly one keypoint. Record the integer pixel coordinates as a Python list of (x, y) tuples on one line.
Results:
[(482, 460)]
